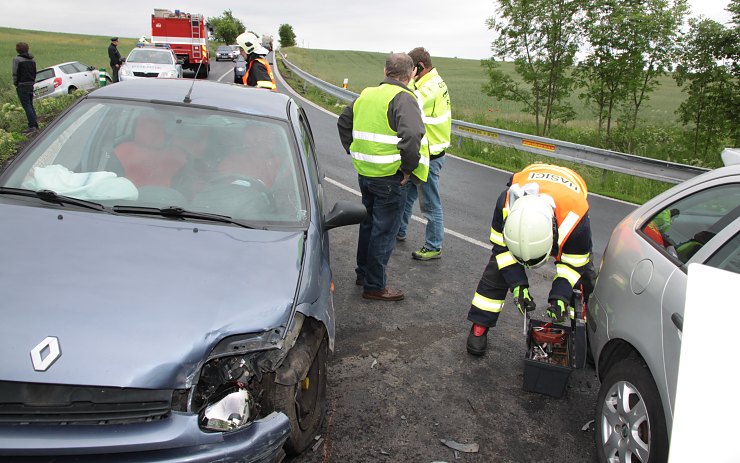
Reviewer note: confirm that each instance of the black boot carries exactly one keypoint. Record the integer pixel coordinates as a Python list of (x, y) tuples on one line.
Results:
[(477, 339)]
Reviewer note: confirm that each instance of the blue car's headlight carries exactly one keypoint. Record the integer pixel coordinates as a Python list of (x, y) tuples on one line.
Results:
[(225, 395)]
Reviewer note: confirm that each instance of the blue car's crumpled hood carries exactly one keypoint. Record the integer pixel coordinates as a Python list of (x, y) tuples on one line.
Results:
[(134, 302)]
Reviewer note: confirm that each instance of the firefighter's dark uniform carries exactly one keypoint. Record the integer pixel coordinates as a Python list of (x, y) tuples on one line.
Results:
[(259, 73), (573, 251)]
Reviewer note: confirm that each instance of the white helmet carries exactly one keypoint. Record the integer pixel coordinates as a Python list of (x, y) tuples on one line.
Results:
[(528, 230), (250, 43)]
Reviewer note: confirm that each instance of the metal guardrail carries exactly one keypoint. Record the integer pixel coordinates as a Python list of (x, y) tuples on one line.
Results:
[(655, 169)]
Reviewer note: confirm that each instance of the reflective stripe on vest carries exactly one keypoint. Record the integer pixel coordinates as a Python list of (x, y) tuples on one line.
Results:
[(268, 84), (374, 147), (564, 186), (434, 102)]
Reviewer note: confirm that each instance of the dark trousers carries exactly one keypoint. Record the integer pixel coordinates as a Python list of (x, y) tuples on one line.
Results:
[(25, 95), (384, 200), (114, 72), (493, 288)]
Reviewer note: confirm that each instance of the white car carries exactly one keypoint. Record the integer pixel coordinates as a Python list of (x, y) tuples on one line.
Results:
[(150, 61), (65, 78)]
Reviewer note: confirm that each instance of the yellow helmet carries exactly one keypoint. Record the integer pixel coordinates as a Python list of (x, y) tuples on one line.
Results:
[(250, 43)]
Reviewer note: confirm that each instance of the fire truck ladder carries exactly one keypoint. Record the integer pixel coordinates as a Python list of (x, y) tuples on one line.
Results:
[(195, 33)]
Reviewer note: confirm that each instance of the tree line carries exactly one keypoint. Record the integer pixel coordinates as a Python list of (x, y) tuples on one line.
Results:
[(612, 53)]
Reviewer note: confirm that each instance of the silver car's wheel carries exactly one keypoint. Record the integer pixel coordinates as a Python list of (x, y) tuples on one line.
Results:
[(630, 425)]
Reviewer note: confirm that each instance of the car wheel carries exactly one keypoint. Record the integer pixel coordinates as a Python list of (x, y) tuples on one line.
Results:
[(71, 89), (304, 403), (630, 424)]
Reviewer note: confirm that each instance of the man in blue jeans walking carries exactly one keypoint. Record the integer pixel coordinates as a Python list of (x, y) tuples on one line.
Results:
[(434, 99), (382, 131)]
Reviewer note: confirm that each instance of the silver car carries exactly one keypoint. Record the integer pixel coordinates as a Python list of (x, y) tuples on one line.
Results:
[(636, 310), (150, 62)]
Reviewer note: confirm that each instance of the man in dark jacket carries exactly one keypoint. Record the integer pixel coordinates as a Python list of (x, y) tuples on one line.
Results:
[(382, 131), (24, 76), (114, 57)]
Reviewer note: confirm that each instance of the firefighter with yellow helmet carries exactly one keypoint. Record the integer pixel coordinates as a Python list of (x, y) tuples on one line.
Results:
[(543, 213), (259, 73)]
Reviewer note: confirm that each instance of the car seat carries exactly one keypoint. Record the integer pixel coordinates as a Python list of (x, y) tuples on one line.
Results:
[(146, 160)]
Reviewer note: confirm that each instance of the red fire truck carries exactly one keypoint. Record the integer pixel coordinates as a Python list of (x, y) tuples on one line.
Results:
[(185, 33)]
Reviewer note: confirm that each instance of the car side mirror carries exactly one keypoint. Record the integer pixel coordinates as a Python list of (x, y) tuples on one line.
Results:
[(123, 60), (180, 61), (345, 213), (91, 68)]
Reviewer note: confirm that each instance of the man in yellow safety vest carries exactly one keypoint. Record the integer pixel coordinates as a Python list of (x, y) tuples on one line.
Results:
[(434, 100), (382, 131)]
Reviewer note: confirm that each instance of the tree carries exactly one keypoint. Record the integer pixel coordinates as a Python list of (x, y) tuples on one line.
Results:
[(225, 28), (654, 40), (287, 36), (712, 101), (542, 38)]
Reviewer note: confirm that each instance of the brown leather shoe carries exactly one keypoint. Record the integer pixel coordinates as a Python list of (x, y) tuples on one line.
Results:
[(386, 294)]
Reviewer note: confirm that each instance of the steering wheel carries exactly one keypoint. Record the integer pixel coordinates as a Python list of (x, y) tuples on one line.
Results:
[(239, 180)]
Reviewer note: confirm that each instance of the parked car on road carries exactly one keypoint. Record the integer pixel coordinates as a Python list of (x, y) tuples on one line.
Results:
[(224, 52), (636, 311), (65, 78), (235, 51), (240, 68), (150, 61), (167, 296)]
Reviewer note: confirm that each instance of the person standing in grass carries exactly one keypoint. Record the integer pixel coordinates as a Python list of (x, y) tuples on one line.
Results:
[(434, 100), (24, 76), (115, 58)]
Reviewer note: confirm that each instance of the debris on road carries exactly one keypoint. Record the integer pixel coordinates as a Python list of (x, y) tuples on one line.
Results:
[(466, 448), (471, 404), (375, 362), (587, 426), (385, 452), (319, 440)]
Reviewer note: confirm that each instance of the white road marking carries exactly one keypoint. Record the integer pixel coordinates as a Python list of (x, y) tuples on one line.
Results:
[(227, 73), (415, 218)]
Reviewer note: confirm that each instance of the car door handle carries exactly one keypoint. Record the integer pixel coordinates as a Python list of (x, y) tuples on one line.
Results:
[(677, 320)]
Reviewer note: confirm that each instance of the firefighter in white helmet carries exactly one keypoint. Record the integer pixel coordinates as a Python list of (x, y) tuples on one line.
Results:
[(543, 213), (259, 73)]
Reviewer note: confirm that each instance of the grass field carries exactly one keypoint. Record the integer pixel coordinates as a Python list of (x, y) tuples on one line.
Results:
[(49, 48), (465, 77)]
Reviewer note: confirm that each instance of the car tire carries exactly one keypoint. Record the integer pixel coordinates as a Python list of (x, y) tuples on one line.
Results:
[(630, 424), (304, 403)]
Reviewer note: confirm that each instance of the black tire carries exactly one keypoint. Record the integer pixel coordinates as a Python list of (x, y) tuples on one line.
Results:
[(637, 427), (305, 408)]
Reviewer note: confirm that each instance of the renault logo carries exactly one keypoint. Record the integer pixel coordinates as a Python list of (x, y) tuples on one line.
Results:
[(45, 353)]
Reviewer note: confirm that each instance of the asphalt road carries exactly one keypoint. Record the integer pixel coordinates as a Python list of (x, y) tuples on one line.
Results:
[(400, 379)]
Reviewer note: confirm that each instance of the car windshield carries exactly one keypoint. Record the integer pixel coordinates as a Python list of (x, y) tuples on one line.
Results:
[(224, 49), (162, 156), (149, 56)]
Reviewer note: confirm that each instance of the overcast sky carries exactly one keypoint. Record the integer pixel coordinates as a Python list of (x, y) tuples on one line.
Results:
[(451, 28)]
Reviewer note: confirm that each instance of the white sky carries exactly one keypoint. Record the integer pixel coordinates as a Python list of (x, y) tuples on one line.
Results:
[(451, 28)]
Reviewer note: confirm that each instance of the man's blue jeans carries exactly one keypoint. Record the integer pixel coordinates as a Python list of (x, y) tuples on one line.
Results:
[(383, 198), (430, 204), (25, 95)]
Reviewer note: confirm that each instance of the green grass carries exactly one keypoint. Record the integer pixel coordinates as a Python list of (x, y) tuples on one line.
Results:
[(51, 48), (464, 78)]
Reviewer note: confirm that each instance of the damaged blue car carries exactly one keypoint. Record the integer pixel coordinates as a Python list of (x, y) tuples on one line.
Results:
[(166, 289)]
